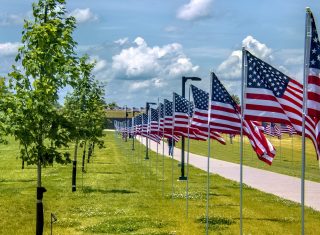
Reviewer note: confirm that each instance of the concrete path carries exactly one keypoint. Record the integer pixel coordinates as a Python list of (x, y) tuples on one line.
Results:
[(284, 186)]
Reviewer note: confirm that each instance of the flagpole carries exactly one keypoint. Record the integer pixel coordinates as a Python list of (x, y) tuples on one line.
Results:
[(187, 187), (172, 161), (157, 142), (244, 67), (208, 160), (304, 111), (164, 111)]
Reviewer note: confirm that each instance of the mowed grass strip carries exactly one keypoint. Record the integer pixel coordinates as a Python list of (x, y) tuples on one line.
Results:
[(121, 193), (287, 160)]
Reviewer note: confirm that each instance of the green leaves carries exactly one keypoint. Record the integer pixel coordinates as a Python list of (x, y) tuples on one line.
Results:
[(49, 64)]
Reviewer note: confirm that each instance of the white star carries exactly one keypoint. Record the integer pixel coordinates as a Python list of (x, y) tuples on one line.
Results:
[(314, 50), (312, 62)]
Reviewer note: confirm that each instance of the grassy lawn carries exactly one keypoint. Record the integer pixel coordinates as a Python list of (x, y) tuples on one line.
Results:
[(123, 194), (118, 114), (287, 160)]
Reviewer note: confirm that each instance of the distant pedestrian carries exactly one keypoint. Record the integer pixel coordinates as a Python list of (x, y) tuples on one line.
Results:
[(171, 143)]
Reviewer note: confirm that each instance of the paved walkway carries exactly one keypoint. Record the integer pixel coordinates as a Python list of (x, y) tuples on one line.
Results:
[(284, 186)]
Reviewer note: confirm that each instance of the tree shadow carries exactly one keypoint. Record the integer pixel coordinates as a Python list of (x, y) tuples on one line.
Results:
[(105, 191)]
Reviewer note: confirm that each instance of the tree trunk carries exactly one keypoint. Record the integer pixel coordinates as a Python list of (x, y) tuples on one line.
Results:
[(74, 168), (89, 152), (84, 155), (40, 191)]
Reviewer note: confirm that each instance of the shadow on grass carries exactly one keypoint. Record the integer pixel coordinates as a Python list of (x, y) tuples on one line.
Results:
[(17, 180), (126, 225), (104, 191), (216, 222), (107, 173), (279, 220)]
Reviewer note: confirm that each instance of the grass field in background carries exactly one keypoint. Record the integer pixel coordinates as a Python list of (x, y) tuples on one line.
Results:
[(287, 160), (123, 194), (118, 114)]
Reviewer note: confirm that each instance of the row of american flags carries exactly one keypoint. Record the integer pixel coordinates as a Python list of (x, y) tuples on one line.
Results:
[(270, 96)]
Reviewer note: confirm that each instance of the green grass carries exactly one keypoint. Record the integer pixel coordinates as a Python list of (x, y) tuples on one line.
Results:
[(118, 114), (123, 194), (287, 160)]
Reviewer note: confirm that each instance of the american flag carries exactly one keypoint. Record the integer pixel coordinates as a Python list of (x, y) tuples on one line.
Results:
[(138, 124), (271, 96), (161, 117), (145, 130), (168, 120), (154, 122), (182, 111), (287, 129), (199, 119), (313, 101), (225, 117), (272, 130)]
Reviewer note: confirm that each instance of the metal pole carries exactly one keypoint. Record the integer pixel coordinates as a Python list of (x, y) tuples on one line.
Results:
[(172, 161), (126, 126), (304, 110), (244, 67), (188, 151), (147, 147), (208, 177), (208, 162)]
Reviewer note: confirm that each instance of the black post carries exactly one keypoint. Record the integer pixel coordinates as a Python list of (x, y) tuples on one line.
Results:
[(126, 126), (84, 155), (183, 93), (40, 218), (133, 131)]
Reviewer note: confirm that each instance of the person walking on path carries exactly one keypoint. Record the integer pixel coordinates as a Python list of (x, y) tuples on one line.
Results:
[(171, 143)]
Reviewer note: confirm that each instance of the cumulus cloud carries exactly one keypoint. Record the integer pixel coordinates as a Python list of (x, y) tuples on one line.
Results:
[(100, 65), (195, 10), (141, 62), (231, 67), (9, 48), (84, 15), (122, 41)]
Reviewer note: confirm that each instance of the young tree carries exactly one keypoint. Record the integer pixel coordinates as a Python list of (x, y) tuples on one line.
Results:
[(49, 63), (84, 107)]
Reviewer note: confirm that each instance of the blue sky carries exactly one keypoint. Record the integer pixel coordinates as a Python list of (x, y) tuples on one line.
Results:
[(143, 47)]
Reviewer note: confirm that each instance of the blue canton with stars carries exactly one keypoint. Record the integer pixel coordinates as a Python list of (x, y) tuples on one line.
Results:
[(138, 120), (145, 118), (161, 112), (167, 108), (154, 115), (263, 75), (314, 46), (181, 104), (200, 98), (220, 94)]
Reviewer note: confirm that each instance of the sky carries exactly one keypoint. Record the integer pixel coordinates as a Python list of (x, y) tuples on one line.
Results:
[(142, 48)]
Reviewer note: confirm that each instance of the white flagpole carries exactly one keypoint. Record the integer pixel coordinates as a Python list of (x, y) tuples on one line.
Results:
[(157, 143), (243, 85), (172, 161), (164, 111), (208, 160), (304, 109), (187, 187)]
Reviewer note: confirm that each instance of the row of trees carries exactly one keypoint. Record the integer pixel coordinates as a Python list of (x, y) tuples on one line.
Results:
[(46, 63)]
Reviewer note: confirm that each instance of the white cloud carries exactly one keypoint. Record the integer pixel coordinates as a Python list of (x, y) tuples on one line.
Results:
[(122, 41), (84, 15), (195, 9), (171, 29), (141, 62), (100, 65), (9, 48), (231, 67)]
